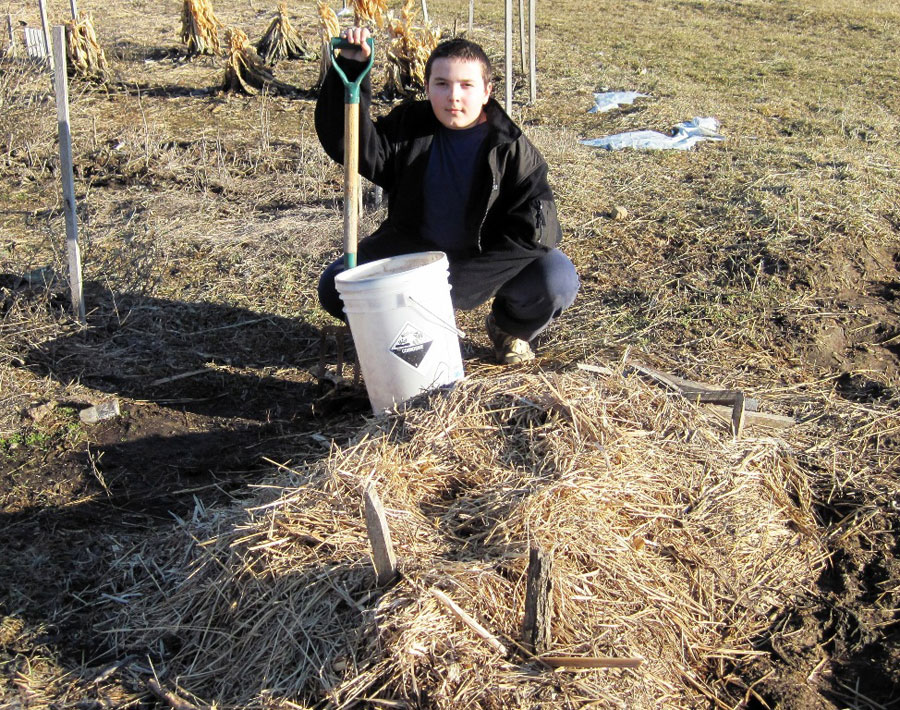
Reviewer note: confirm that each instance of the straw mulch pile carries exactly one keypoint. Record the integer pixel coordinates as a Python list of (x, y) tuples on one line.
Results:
[(84, 55), (407, 53), (200, 27), (245, 72), (670, 541), (282, 41)]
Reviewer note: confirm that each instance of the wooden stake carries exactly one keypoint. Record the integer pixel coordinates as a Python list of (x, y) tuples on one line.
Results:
[(425, 12), (471, 15), (695, 391), (46, 27), (737, 415), (507, 58), (68, 179), (522, 34), (74, 6), (12, 35), (532, 70), (760, 419), (492, 640), (379, 538), (538, 602)]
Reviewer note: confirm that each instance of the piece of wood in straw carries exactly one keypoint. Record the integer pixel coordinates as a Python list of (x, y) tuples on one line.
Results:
[(379, 537), (591, 661), (762, 419), (492, 640), (695, 391), (598, 369), (737, 415), (538, 601), (168, 697)]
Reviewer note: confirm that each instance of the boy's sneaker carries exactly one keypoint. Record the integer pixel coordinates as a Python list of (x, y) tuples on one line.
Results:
[(508, 349)]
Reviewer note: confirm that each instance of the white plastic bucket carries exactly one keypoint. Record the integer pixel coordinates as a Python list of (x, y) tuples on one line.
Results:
[(403, 326)]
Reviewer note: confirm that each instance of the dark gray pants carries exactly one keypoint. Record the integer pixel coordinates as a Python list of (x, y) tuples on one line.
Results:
[(530, 296)]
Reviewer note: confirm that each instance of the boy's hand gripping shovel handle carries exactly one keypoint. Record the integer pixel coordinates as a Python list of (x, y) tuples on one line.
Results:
[(351, 148)]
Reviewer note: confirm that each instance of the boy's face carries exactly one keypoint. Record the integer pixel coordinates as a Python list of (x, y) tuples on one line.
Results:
[(457, 92)]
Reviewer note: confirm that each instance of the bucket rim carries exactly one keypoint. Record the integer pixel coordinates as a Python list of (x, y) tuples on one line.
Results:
[(362, 274)]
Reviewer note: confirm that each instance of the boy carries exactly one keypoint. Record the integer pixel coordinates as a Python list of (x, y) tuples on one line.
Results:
[(460, 178)]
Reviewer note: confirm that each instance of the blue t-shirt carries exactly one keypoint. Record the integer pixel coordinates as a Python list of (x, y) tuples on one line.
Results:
[(448, 184)]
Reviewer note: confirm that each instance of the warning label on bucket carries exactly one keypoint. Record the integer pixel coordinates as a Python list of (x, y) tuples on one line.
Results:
[(411, 345)]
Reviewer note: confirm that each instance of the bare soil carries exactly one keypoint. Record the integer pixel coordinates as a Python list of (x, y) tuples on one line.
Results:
[(207, 217)]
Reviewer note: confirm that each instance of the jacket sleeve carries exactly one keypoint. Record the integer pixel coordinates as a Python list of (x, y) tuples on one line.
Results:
[(376, 147)]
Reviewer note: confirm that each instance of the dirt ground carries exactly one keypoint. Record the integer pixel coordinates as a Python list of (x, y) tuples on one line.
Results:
[(206, 217)]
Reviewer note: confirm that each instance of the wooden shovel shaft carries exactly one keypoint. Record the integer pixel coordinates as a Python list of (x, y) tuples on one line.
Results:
[(351, 182)]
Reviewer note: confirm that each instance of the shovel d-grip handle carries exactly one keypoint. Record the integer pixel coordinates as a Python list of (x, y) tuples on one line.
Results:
[(351, 88)]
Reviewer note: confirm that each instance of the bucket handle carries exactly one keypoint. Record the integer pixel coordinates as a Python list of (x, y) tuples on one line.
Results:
[(440, 321)]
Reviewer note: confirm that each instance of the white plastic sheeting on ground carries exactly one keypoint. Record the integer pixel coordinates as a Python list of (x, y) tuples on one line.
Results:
[(609, 100), (683, 136)]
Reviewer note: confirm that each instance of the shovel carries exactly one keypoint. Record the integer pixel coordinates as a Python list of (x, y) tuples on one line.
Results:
[(351, 148)]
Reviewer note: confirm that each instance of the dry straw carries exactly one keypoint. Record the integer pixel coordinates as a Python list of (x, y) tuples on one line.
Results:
[(670, 541), (408, 52), (282, 41), (368, 12), (245, 72), (84, 55), (329, 26), (200, 27)]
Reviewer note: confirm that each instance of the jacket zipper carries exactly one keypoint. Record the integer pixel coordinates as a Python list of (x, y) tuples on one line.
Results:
[(494, 188)]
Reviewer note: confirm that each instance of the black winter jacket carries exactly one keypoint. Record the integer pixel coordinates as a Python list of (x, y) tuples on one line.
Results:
[(511, 209)]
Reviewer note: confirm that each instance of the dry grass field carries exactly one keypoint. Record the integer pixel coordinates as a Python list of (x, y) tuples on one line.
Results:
[(207, 547)]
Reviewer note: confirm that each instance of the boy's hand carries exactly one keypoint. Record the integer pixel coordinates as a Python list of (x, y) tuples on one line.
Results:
[(358, 36)]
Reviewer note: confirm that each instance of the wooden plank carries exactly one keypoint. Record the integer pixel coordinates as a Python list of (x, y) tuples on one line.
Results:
[(591, 662), (73, 253), (759, 419), (695, 391), (538, 602), (492, 640), (738, 415), (379, 538)]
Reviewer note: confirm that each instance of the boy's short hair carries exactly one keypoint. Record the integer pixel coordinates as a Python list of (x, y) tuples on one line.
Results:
[(459, 48)]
